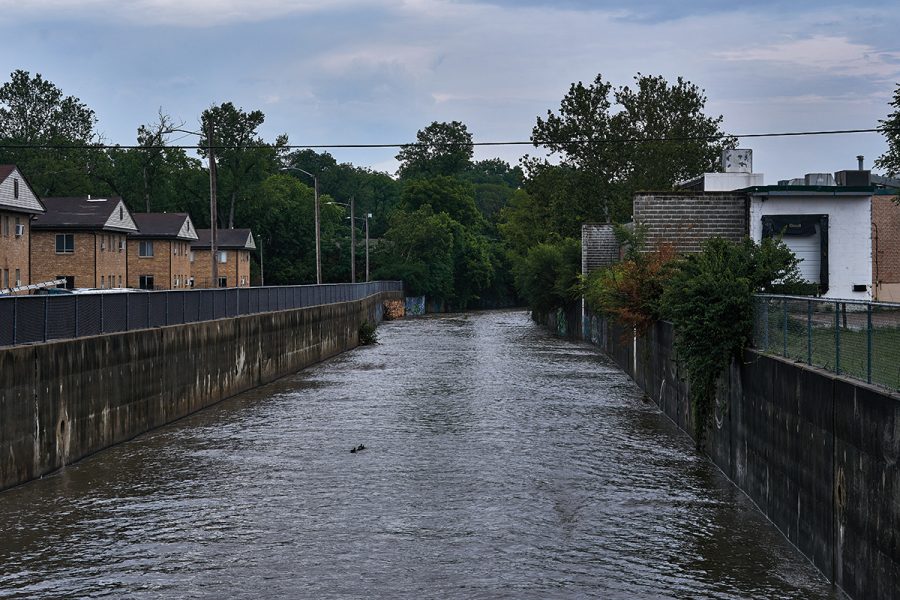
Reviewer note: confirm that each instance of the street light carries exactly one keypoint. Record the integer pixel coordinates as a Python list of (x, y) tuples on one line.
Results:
[(352, 207), (318, 245)]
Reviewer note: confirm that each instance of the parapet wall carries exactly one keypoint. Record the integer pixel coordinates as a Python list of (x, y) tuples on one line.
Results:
[(817, 453), (61, 401)]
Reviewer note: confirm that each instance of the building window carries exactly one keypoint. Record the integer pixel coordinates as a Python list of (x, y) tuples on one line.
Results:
[(102, 281), (120, 281), (192, 256), (223, 282), (65, 243), (6, 226), (146, 249), (18, 277), (121, 213), (5, 278), (15, 188), (146, 282), (223, 257)]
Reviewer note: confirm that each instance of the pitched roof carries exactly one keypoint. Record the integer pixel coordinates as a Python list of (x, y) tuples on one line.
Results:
[(226, 239), (107, 214), (15, 197), (164, 225)]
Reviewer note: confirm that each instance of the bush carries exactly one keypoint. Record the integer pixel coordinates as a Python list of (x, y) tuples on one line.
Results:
[(631, 290), (547, 276), (709, 299), (367, 334)]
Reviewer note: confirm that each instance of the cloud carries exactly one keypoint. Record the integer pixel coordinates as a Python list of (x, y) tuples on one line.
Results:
[(179, 13), (834, 55)]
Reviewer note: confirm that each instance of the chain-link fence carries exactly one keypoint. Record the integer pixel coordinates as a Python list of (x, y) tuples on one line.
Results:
[(849, 337), (30, 319)]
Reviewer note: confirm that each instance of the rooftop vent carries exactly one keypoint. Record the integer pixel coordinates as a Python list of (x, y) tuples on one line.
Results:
[(822, 179), (859, 178)]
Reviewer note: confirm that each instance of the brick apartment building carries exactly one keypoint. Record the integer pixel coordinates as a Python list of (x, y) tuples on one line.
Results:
[(159, 253), (18, 203), (233, 249), (82, 240)]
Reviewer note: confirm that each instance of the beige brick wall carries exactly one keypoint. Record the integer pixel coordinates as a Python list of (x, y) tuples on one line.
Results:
[(14, 250), (96, 258), (170, 264), (236, 268), (886, 248)]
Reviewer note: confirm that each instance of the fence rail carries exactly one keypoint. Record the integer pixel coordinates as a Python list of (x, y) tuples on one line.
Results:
[(31, 319), (853, 338)]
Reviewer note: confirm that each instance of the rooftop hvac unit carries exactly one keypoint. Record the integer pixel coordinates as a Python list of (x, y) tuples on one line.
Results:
[(853, 178), (823, 179)]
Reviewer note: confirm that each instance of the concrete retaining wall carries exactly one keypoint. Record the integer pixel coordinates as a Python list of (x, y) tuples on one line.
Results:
[(817, 453), (62, 401)]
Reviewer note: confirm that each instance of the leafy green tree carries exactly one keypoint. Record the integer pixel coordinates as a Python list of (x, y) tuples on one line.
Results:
[(243, 158), (440, 149), (890, 160), (418, 248), (547, 276), (444, 194), (625, 139), (35, 111)]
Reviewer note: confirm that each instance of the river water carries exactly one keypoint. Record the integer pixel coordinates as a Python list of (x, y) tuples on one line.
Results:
[(501, 463)]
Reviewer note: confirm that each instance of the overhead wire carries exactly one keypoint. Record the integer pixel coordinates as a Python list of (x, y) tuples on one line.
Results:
[(536, 143)]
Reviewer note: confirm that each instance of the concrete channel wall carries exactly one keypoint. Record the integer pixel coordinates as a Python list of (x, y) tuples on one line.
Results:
[(817, 453), (62, 401)]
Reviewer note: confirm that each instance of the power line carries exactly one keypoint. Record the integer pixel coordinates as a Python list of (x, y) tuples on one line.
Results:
[(538, 143)]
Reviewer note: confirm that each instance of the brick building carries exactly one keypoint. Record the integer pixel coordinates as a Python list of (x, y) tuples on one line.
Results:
[(159, 252), (233, 249), (18, 203), (886, 247), (599, 247), (685, 219), (82, 240)]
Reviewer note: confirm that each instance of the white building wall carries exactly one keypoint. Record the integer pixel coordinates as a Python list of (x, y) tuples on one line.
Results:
[(728, 182), (849, 235)]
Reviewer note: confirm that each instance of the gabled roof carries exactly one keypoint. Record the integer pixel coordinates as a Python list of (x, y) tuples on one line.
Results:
[(17, 197), (164, 225), (226, 239), (86, 213)]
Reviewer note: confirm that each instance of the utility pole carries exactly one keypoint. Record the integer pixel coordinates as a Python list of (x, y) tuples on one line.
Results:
[(213, 221), (352, 242), (262, 273), (318, 233), (368, 216)]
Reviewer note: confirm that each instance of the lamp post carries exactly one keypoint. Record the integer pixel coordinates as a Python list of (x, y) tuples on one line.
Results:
[(352, 207), (318, 235)]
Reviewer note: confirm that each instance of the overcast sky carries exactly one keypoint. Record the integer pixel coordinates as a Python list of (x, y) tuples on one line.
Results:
[(376, 71)]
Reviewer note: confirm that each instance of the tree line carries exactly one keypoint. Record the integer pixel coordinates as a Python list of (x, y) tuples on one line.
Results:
[(464, 232)]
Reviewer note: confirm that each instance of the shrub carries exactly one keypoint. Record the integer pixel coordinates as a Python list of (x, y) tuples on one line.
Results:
[(367, 334), (709, 299)]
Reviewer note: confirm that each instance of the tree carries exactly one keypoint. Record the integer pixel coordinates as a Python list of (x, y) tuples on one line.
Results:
[(443, 194), (440, 149), (35, 111), (243, 158), (890, 127), (625, 139)]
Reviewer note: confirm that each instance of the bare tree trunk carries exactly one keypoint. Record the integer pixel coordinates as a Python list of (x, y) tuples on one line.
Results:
[(146, 191), (231, 210)]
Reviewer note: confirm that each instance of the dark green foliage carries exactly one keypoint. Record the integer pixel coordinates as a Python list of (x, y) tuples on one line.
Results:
[(890, 160), (443, 194), (709, 299), (440, 149), (367, 334), (547, 276), (609, 172)]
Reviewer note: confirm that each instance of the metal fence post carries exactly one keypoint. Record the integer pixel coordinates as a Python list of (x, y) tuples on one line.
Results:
[(15, 321), (784, 326), (148, 310), (868, 343), (765, 319), (837, 338), (46, 315), (167, 308), (809, 344)]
